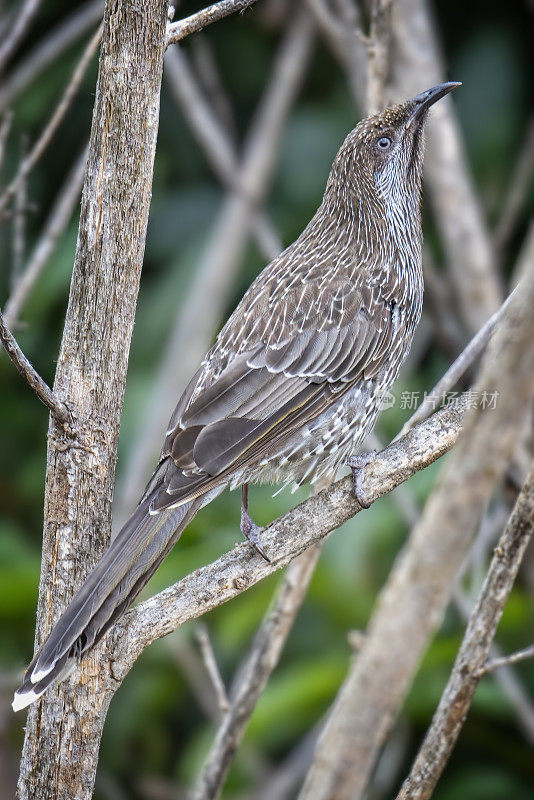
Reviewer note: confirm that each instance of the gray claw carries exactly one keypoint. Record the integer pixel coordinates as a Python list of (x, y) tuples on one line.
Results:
[(357, 463), (249, 529)]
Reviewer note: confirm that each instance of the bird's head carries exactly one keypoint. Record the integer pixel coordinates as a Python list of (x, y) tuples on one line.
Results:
[(380, 161)]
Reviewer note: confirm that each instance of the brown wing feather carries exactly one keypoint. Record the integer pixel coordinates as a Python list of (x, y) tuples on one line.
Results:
[(278, 361)]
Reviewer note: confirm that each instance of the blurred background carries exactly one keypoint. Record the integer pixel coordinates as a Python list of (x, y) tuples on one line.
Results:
[(261, 101)]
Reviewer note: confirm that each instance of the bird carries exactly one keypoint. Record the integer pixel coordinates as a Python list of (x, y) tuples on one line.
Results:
[(294, 380)]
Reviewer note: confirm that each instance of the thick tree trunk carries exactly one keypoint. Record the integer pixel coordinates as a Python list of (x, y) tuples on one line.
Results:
[(63, 731)]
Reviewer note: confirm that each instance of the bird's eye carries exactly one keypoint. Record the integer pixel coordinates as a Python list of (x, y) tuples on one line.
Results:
[(384, 143)]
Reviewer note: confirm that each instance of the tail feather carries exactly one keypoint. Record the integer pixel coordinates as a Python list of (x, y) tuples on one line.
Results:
[(126, 566)]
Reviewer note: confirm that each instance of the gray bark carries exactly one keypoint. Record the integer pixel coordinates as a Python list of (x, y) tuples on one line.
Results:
[(63, 731), (413, 601), (473, 653)]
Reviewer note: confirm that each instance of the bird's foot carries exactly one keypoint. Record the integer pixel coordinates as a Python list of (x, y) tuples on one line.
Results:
[(252, 533), (357, 463), (249, 529)]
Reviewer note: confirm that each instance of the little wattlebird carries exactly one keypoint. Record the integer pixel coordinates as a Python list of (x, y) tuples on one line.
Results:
[(295, 378)]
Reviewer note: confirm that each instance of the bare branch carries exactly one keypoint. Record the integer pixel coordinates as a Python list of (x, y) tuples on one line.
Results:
[(251, 680), (5, 127), (212, 668), (342, 31), (189, 662), (49, 49), (451, 377), (506, 678), (469, 664), (55, 120), (439, 304), (17, 29), (19, 222), (91, 374), (202, 121), (215, 141), (412, 604), (378, 54), (416, 63), (521, 178), (212, 86), (507, 661), (55, 225), (287, 537), (196, 22), (287, 777), (41, 389)]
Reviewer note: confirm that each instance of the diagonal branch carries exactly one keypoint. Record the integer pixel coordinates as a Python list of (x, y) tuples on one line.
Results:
[(196, 22), (417, 62), (292, 534), (18, 28), (342, 32), (451, 377), (469, 664), (54, 226), (212, 668), (214, 140), (50, 48), (39, 386), (378, 54), (412, 603), (519, 184), (55, 120), (252, 678), (508, 681), (507, 661)]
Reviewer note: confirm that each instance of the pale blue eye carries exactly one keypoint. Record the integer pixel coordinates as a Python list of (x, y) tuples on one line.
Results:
[(384, 143)]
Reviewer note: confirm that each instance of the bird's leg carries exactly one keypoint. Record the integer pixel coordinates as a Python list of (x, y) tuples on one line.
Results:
[(357, 463), (249, 529)]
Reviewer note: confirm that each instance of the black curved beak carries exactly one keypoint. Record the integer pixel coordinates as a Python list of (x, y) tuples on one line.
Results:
[(424, 100)]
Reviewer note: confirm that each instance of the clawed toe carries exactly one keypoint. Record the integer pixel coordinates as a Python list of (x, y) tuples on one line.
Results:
[(249, 529), (357, 463)]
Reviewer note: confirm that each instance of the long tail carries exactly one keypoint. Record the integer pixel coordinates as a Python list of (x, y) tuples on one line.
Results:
[(128, 563)]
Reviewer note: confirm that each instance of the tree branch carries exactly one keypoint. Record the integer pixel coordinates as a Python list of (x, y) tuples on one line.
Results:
[(5, 127), (252, 679), (508, 681), (378, 54), (39, 386), (214, 140), (343, 34), (416, 59), (292, 534), (18, 28), (507, 661), (517, 191), (469, 664), (90, 376), (54, 226), (451, 377), (412, 604), (196, 22), (212, 669), (49, 49), (55, 120)]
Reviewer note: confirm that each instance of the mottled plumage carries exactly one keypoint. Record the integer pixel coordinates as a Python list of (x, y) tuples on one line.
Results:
[(295, 379)]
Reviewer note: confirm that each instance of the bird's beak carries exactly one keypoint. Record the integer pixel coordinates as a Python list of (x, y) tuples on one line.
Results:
[(422, 102)]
